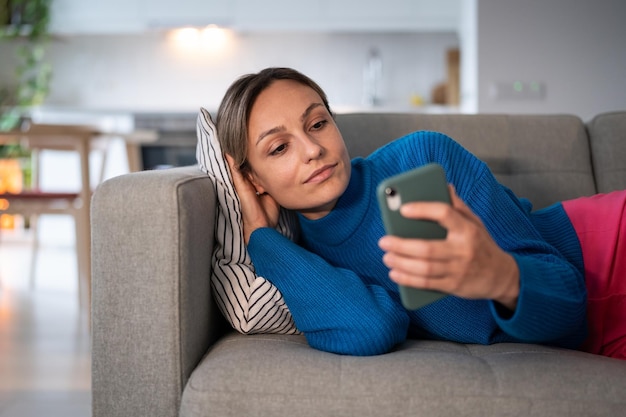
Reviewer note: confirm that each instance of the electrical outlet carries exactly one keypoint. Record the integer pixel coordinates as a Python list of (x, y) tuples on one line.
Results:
[(518, 90)]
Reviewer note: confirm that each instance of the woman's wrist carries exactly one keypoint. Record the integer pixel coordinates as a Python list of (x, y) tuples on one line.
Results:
[(509, 278), (248, 231)]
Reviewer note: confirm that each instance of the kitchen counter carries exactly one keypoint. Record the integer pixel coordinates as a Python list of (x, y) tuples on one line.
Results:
[(105, 121), (163, 138)]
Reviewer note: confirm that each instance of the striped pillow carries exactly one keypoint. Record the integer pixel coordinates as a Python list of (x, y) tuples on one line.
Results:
[(249, 302)]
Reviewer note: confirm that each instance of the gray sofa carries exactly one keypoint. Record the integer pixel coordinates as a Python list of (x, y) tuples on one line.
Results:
[(161, 347)]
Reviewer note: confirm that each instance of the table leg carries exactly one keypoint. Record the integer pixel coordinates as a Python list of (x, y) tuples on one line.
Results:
[(133, 153), (83, 230)]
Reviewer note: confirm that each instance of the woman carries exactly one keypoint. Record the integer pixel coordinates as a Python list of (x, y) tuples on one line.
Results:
[(508, 283)]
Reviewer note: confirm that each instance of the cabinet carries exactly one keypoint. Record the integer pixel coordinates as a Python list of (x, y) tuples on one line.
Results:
[(135, 16), (348, 15), (394, 15), (165, 14), (95, 16), (281, 15)]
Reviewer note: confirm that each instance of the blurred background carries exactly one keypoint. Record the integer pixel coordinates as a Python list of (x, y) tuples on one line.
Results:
[(132, 55), (123, 67)]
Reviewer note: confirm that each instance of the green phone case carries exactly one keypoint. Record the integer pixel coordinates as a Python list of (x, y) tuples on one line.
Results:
[(426, 183)]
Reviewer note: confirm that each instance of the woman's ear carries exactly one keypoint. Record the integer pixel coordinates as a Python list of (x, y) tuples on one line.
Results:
[(252, 178)]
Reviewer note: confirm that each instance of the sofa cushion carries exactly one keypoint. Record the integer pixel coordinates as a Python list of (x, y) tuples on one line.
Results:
[(542, 158), (274, 375), (608, 147)]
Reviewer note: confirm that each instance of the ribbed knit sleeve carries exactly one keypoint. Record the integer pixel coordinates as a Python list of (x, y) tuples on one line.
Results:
[(551, 307), (338, 290), (332, 306)]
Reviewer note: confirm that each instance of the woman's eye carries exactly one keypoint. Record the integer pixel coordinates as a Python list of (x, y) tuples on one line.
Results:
[(319, 125), (278, 150)]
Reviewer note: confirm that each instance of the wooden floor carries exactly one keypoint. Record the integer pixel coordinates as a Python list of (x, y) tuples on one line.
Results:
[(44, 339)]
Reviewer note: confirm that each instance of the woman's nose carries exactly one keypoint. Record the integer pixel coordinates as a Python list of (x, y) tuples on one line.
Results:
[(312, 149)]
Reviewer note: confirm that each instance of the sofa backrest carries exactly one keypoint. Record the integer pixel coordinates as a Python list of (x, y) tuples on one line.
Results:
[(544, 158), (607, 132)]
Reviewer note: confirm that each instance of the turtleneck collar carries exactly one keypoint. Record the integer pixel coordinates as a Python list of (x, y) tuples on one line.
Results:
[(348, 214)]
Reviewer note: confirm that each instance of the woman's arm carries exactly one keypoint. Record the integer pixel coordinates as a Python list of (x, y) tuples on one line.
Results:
[(334, 309), (493, 251), (552, 300), (332, 306)]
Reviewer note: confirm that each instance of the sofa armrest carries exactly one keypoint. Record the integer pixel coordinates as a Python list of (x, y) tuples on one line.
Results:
[(153, 317)]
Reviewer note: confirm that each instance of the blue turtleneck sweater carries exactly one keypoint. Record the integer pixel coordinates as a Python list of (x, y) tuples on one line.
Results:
[(339, 292)]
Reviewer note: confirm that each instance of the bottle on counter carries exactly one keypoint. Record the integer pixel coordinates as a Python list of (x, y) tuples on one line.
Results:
[(372, 78)]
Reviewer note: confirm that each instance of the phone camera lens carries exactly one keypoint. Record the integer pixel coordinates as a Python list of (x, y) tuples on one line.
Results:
[(390, 191)]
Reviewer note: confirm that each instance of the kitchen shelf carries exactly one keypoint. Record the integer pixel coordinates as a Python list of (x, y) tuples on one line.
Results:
[(138, 16)]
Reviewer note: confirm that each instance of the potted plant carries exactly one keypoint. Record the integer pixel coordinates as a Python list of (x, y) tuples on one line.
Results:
[(25, 23)]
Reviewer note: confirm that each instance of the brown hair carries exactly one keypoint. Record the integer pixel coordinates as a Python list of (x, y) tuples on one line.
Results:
[(234, 111)]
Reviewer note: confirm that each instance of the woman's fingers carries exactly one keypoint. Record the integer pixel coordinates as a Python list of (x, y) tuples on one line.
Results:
[(467, 263)]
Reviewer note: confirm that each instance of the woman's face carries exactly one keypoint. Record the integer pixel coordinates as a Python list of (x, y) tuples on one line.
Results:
[(295, 151)]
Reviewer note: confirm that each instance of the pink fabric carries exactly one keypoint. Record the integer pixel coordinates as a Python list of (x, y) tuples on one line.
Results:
[(600, 223)]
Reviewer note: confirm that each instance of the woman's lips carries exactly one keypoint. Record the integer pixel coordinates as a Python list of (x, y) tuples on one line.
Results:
[(321, 174)]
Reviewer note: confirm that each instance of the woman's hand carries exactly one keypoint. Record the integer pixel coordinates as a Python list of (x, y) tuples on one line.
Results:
[(468, 263), (259, 210)]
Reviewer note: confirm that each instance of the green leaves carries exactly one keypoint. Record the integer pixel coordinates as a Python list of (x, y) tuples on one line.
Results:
[(28, 22), (25, 18), (34, 75)]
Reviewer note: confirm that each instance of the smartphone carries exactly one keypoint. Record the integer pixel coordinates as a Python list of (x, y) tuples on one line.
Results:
[(426, 183)]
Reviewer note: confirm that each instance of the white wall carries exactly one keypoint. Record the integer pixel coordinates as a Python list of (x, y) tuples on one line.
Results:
[(151, 72), (468, 34), (575, 47)]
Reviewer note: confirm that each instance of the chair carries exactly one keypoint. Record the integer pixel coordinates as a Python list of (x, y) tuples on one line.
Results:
[(34, 202)]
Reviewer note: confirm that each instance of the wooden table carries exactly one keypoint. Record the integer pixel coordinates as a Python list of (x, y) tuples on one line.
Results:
[(79, 139), (33, 202)]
